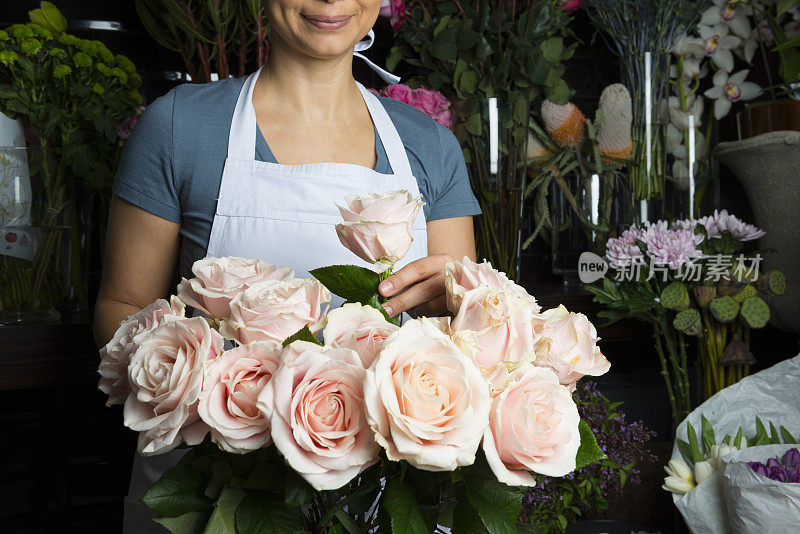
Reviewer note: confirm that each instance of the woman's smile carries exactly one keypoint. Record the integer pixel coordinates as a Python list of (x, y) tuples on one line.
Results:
[(328, 23)]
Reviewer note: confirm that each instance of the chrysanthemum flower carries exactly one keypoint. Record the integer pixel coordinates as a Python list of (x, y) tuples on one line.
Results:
[(673, 248), (623, 251)]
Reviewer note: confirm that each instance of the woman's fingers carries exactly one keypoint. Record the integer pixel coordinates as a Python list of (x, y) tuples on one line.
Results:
[(421, 294), (414, 272)]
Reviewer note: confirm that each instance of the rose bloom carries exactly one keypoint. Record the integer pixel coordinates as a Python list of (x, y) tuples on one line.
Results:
[(315, 405), (434, 104), (218, 280), (231, 386), (495, 327), (116, 354), (426, 400), (461, 276), (165, 376), (566, 343), (274, 310), (533, 426), (357, 327), (377, 227)]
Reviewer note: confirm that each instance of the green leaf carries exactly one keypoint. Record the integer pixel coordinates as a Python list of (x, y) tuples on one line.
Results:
[(188, 523), (709, 439), (375, 303), (761, 437), (267, 475), (589, 451), (178, 491), (297, 491), (787, 436), (474, 124), (444, 46), (347, 522), (774, 437), (258, 514), (552, 49), (402, 507), (697, 456), (686, 451), (223, 518), (466, 519), (351, 282), (737, 441), (497, 508), (304, 334), (784, 6)]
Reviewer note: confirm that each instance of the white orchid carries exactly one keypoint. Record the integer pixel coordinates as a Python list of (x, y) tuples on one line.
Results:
[(729, 89), (792, 29), (680, 117), (718, 44), (732, 14)]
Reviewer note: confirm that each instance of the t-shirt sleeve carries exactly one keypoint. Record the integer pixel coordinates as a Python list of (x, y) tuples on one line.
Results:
[(146, 176), (451, 194)]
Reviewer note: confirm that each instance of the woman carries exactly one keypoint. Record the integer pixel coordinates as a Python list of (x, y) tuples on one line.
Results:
[(253, 167)]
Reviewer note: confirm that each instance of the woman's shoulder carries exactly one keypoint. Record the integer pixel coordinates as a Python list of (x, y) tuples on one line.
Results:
[(419, 132), (189, 103)]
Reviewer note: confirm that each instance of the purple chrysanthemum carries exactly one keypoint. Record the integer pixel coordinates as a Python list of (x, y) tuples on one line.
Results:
[(671, 247), (722, 221), (622, 251)]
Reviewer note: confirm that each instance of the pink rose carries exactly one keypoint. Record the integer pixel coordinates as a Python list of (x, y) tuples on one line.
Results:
[(165, 376), (396, 9), (116, 354), (495, 327), (533, 426), (357, 327), (461, 276), (315, 405), (566, 343), (400, 92), (445, 118), (377, 227), (426, 400), (218, 280), (569, 6), (231, 386), (274, 310)]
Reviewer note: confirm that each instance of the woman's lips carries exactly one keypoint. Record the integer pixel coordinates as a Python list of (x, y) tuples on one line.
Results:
[(328, 23)]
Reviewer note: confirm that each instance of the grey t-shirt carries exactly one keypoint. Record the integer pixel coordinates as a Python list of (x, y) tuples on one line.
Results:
[(172, 163)]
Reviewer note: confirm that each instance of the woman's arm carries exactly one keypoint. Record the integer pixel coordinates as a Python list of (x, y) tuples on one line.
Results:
[(420, 284), (140, 261)]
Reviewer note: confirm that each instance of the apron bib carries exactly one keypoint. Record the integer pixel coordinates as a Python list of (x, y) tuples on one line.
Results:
[(285, 215)]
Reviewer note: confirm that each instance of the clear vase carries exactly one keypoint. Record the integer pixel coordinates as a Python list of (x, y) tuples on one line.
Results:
[(496, 160), (646, 74), (35, 243)]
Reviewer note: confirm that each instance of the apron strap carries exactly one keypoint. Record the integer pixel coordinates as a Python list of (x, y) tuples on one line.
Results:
[(364, 44), (242, 135), (395, 150)]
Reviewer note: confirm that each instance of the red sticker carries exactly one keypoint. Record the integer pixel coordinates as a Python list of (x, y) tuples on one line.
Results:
[(11, 237)]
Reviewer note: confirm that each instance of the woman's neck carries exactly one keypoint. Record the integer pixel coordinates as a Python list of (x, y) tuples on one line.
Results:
[(308, 88)]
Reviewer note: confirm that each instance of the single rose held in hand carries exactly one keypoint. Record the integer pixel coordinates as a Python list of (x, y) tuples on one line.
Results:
[(423, 395)]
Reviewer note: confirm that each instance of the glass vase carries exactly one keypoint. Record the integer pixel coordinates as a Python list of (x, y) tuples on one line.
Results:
[(496, 160), (646, 74), (35, 241)]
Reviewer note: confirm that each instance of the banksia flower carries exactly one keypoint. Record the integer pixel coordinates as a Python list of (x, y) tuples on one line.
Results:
[(536, 149), (565, 124), (614, 134)]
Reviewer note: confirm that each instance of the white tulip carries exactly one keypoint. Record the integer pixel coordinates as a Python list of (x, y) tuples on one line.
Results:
[(677, 485), (703, 470), (679, 469)]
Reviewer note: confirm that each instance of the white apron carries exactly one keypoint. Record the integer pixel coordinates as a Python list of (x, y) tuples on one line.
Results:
[(285, 215)]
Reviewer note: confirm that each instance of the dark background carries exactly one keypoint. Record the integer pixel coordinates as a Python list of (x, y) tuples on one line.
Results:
[(66, 456)]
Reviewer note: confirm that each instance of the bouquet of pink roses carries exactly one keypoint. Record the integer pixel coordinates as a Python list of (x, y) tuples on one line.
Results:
[(380, 424)]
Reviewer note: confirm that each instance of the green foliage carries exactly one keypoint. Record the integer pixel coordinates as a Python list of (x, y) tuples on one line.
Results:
[(304, 334), (675, 296), (724, 309), (588, 452), (402, 507), (688, 321), (352, 283), (755, 312), (47, 79)]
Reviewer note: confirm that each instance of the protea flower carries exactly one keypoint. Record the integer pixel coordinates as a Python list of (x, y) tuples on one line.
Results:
[(565, 124), (614, 134), (536, 149)]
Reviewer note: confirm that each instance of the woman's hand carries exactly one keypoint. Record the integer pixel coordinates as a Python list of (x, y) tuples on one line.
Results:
[(420, 284)]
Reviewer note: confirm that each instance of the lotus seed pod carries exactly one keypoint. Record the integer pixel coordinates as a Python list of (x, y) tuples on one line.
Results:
[(762, 284), (614, 134), (726, 286), (704, 294), (688, 321), (565, 124), (536, 149), (745, 293), (755, 312), (776, 282), (737, 353), (724, 309), (675, 296)]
